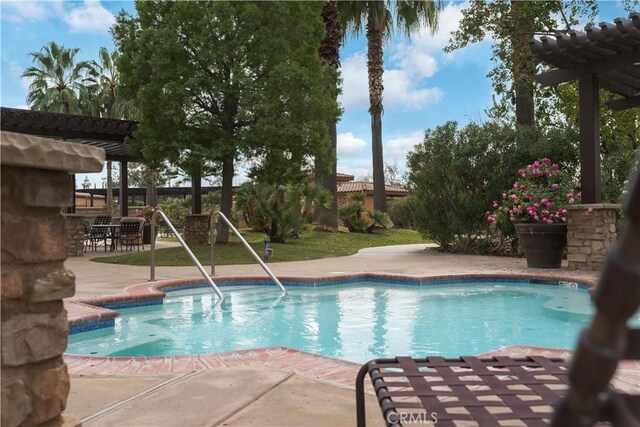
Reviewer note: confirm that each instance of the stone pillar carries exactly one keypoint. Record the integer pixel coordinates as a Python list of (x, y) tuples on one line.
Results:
[(591, 229), (35, 186), (75, 234), (196, 229)]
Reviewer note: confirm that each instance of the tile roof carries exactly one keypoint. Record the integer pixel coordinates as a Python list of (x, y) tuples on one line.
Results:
[(344, 177), (367, 187)]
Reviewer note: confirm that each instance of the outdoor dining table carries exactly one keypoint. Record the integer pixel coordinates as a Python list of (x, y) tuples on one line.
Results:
[(111, 230)]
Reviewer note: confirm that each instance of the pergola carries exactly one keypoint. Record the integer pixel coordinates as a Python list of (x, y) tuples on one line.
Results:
[(108, 134), (604, 56)]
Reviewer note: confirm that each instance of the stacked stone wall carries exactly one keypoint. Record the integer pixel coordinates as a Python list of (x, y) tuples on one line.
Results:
[(196, 229), (75, 234), (591, 231)]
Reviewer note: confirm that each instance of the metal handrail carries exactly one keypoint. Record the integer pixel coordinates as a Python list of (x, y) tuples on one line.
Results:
[(184, 245), (244, 242)]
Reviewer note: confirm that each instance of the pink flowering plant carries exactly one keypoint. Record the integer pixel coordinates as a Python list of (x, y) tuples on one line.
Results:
[(147, 212), (540, 194)]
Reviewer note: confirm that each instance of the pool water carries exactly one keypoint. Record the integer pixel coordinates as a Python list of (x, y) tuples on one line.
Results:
[(357, 322)]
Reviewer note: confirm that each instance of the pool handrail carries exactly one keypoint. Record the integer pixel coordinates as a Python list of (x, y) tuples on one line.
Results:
[(244, 242), (207, 278)]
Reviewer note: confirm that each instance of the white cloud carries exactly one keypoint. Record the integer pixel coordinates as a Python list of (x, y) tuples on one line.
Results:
[(349, 145), (397, 148), (355, 86), (15, 69), (449, 22), (91, 17), (401, 83), (20, 11), (360, 168), (400, 90), (21, 106)]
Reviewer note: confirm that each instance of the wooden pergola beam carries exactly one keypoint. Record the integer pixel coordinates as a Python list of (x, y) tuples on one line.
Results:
[(555, 77), (589, 100), (624, 103)]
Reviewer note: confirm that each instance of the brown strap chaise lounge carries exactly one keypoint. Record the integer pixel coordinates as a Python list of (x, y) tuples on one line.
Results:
[(524, 391)]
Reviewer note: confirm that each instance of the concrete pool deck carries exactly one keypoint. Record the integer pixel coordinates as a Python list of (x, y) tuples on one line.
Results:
[(266, 387)]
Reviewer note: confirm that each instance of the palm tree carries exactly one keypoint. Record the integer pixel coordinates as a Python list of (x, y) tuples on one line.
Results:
[(377, 18), (330, 53), (101, 99), (57, 80)]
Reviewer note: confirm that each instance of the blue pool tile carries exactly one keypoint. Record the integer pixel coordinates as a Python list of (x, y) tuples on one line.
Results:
[(91, 326), (131, 304)]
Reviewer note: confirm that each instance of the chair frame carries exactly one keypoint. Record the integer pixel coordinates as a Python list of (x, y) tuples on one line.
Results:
[(131, 234), (96, 235)]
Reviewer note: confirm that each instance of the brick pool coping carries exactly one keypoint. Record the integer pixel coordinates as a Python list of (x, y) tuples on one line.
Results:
[(314, 366), (92, 312)]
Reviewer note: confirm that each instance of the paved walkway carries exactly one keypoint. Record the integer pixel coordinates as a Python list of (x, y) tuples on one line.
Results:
[(93, 278), (240, 389)]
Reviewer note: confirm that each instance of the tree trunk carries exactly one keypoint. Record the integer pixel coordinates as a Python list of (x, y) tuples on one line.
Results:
[(328, 217), (375, 66), (109, 200), (226, 199), (152, 187), (325, 175), (525, 105), (523, 68)]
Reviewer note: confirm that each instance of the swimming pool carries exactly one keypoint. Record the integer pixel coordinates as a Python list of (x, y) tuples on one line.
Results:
[(355, 321)]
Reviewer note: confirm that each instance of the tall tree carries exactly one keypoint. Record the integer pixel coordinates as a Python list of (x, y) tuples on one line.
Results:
[(230, 79), (377, 19), (102, 99), (326, 174), (511, 25), (57, 79)]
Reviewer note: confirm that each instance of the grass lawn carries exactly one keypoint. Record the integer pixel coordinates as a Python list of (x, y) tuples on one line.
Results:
[(311, 245)]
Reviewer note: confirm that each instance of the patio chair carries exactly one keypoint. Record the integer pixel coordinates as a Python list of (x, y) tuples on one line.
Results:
[(93, 236), (131, 233), (523, 391)]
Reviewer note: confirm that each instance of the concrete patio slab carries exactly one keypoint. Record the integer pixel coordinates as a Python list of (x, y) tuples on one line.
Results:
[(200, 399), (303, 402), (111, 390)]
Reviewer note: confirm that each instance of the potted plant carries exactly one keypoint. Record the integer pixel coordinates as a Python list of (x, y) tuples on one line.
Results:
[(537, 205), (147, 213)]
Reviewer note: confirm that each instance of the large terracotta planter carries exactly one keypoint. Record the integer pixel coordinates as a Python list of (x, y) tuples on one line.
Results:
[(543, 244)]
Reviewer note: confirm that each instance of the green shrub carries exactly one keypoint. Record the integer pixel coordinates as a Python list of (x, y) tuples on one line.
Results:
[(357, 219), (401, 212), (280, 211), (456, 174)]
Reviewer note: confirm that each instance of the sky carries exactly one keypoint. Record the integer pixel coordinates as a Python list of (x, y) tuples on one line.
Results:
[(423, 86)]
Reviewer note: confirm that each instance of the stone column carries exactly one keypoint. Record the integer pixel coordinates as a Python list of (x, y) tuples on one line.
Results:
[(591, 229), (35, 186), (196, 229), (75, 234)]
